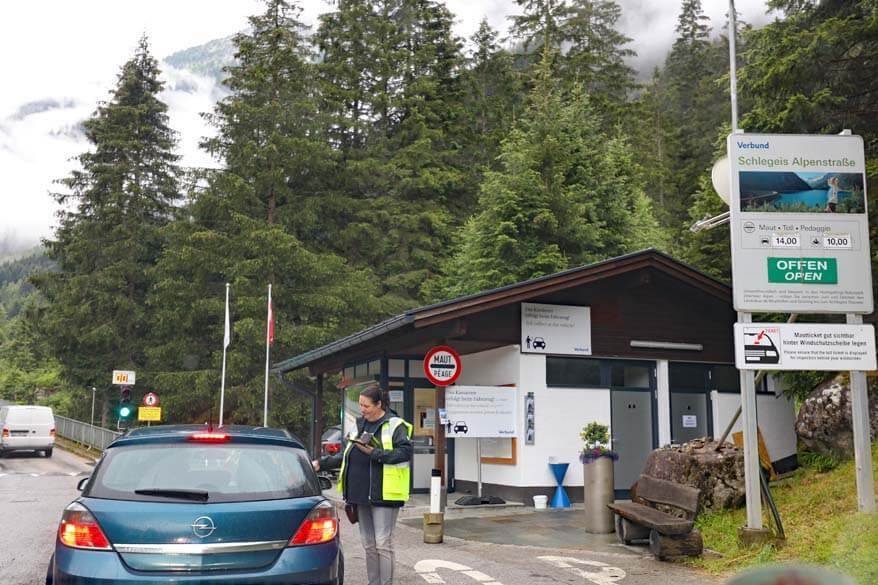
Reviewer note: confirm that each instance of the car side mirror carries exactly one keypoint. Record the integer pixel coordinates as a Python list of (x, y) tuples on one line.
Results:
[(81, 485), (324, 482)]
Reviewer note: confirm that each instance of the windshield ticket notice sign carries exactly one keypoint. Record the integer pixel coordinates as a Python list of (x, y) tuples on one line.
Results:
[(801, 346), (799, 228)]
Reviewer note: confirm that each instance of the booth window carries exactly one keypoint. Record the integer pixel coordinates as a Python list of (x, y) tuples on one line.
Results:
[(725, 379), (573, 372), (630, 375)]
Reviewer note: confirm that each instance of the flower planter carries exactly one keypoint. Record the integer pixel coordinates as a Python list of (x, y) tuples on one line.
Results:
[(598, 475)]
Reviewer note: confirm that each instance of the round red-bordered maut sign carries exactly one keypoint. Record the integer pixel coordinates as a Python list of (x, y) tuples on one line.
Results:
[(442, 365)]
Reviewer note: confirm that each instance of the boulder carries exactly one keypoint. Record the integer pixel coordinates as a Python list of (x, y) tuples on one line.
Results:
[(718, 474), (824, 421)]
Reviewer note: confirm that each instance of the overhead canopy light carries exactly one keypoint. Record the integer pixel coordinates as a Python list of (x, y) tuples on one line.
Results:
[(666, 345)]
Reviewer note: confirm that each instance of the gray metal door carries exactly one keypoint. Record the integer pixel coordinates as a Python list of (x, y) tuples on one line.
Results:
[(689, 416), (632, 434)]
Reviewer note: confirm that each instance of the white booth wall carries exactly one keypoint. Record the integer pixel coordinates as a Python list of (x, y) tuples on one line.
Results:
[(775, 417), (559, 415)]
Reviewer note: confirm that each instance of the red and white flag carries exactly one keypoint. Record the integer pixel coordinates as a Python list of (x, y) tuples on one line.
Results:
[(270, 321)]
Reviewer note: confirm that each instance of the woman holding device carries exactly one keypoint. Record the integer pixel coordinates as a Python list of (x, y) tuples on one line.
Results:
[(374, 478)]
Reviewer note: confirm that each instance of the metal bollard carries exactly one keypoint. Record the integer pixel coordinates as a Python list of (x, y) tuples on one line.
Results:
[(434, 520)]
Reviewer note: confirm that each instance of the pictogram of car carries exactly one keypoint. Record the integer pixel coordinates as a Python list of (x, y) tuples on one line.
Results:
[(461, 427), (539, 343)]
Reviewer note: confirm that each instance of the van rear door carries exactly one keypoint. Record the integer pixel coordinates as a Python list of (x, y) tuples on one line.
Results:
[(28, 428)]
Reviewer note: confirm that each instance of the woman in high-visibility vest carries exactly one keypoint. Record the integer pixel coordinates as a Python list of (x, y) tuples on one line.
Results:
[(374, 478)]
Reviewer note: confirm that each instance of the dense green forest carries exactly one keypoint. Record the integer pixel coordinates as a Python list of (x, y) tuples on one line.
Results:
[(380, 162)]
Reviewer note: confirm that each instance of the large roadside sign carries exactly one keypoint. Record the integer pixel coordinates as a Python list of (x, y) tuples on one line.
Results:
[(442, 365), (804, 346), (799, 228)]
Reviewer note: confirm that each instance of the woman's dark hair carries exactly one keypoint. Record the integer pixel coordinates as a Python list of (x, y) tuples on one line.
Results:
[(376, 395)]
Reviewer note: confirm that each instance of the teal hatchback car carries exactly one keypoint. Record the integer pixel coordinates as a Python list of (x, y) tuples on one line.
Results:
[(188, 505)]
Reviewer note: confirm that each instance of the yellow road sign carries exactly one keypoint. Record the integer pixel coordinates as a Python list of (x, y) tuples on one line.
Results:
[(150, 413)]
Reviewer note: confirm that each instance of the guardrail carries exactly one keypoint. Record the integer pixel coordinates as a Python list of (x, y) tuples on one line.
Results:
[(84, 433)]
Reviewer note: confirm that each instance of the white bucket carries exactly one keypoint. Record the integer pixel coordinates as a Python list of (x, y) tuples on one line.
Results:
[(540, 502)]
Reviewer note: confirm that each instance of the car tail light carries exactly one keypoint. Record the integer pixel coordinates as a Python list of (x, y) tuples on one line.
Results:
[(52, 433), (5, 433), (210, 437), (79, 529), (332, 448), (321, 525)]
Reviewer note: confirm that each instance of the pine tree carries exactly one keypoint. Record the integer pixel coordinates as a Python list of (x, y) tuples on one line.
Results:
[(398, 117), (111, 230), (259, 220), (596, 55), (561, 199), (493, 93), (268, 132)]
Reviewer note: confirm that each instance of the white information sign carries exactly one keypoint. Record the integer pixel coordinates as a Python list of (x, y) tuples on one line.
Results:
[(396, 395), (555, 329), (800, 233), (123, 377), (804, 346), (690, 421), (480, 411)]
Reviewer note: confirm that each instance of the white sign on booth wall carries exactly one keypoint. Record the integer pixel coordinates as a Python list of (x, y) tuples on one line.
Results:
[(480, 411), (804, 346), (555, 329), (799, 228)]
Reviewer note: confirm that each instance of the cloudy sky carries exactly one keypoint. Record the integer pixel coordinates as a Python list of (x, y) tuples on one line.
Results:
[(61, 57)]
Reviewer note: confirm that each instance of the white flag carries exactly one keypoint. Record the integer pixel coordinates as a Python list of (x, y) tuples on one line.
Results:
[(228, 335)]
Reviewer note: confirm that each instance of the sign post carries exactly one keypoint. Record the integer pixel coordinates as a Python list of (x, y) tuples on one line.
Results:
[(800, 244)]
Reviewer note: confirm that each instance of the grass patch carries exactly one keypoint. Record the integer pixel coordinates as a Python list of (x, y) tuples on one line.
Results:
[(818, 508)]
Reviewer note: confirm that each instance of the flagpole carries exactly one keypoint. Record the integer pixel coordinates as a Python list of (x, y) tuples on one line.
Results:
[(268, 335), (226, 339)]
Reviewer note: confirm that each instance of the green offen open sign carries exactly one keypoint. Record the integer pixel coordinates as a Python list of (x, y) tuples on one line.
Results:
[(803, 270)]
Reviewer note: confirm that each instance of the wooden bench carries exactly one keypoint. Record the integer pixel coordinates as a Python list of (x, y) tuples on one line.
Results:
[(663, 512)]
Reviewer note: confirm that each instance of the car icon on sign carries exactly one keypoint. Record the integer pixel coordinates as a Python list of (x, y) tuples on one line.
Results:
[(539, 343), (460, 427)]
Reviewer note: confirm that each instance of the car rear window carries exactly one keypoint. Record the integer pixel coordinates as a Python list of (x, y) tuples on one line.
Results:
[(227, 472)]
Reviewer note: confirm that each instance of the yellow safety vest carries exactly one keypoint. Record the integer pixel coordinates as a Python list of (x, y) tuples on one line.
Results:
[(396, 477)]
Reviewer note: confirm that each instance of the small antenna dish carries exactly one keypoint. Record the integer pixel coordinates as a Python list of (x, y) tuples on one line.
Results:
[(719, 176)]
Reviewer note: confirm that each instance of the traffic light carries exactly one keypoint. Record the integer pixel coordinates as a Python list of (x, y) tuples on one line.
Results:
[(125, 408)]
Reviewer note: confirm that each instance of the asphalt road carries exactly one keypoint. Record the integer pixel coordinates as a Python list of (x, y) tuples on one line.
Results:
[(34, 491)]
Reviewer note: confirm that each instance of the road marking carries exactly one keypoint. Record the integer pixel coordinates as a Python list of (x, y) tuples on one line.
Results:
[(428, 570), (606, 576)]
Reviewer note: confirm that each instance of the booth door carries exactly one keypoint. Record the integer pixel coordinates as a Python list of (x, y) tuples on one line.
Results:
[(690, 416), (633, 433), (424, 437)]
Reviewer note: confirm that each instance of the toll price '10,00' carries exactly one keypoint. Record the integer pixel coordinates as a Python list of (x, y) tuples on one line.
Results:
[(838, 241)]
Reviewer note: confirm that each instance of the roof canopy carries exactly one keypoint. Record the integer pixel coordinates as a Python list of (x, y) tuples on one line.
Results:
[(642, 286)]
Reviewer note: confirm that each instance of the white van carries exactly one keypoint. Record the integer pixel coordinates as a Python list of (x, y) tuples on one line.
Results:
[(27, 428)]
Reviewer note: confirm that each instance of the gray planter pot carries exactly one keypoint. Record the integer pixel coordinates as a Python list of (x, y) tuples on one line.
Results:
[(598, 493)]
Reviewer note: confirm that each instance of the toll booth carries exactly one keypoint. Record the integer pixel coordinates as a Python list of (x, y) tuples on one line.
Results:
[(642, 343)]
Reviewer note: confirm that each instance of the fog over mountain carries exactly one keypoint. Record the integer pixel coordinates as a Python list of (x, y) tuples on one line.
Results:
[(54, 87)]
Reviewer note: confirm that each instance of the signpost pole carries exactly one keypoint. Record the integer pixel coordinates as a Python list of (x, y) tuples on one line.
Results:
[(93, 392), (751, 452), (479, 467), (862, 441)]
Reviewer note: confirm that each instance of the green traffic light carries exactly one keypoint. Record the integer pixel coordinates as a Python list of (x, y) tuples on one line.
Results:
[(124, 411)]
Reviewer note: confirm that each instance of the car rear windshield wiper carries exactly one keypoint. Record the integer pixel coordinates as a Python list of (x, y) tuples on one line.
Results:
[(198, 495)]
